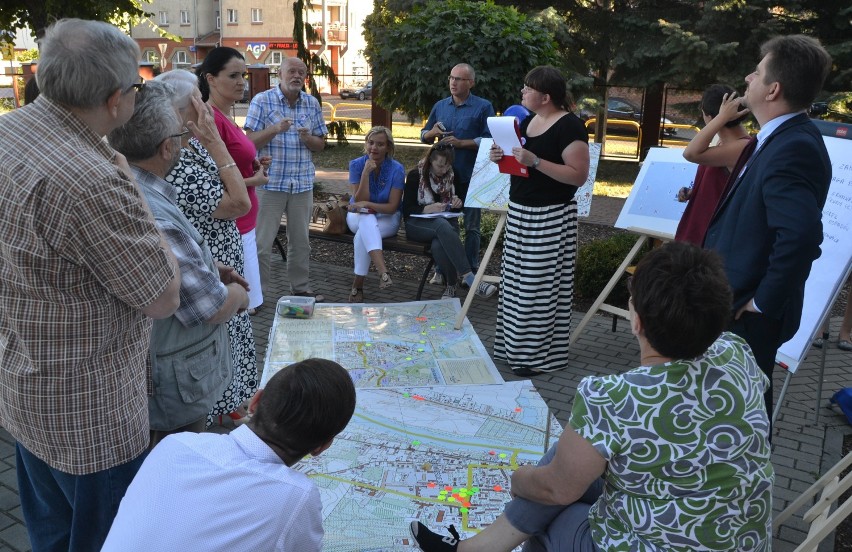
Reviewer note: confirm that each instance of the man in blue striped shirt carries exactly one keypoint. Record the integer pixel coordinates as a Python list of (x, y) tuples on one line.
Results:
[(286, 123), (461, 121)]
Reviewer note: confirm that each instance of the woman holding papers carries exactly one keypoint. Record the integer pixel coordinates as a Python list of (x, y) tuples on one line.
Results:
[(430, 208), (376, 181), (534, 311)]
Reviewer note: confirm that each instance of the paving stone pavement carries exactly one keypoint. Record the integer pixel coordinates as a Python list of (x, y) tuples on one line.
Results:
[(802, 449)]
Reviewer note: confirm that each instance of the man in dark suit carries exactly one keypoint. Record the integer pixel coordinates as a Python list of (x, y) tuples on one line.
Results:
[(768, 226)]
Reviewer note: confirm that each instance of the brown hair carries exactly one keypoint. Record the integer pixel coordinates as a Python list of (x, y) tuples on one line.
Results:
[(683, 299), (800, 64), (304, 406)]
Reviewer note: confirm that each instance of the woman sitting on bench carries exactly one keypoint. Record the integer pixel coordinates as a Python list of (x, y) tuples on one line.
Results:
[(429, 189), (377, 181)]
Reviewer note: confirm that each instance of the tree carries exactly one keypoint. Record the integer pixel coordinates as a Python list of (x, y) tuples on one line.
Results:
[(412, 52), (17, 14), (303, 34)]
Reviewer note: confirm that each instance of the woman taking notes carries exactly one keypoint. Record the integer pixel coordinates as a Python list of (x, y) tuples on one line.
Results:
[(377, 181)]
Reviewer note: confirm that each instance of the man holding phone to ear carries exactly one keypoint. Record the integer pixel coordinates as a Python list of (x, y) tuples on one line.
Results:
[(461, 121)]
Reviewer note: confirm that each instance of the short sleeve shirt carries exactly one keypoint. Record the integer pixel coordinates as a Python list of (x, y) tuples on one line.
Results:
[(687, 453), (292, 169), (80, 257), (391, 176)]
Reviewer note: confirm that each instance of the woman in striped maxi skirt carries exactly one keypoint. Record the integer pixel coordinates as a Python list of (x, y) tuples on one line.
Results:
[(540, 246)]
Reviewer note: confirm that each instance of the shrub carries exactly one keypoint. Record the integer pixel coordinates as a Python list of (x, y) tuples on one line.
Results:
[(597, 261)]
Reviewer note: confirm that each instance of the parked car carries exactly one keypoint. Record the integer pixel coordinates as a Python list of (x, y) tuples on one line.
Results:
[(362, 93), (625, 110)]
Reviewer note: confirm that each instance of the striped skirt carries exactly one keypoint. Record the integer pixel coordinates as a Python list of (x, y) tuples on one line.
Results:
[(537, 287)]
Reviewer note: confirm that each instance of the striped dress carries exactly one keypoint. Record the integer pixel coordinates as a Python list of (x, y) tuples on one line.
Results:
[(539, 252)]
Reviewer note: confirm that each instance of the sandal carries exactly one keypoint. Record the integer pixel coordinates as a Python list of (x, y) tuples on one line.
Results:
[(818, 342), (844, 345), (385, 281), (356, 295)]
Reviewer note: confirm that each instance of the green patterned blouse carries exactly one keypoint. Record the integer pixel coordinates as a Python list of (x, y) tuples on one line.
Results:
[(687, 452)]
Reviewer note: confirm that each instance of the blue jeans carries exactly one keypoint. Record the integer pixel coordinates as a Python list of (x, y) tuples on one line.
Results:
[(472, 236), (69, 513), (555, 527), (446, 245)]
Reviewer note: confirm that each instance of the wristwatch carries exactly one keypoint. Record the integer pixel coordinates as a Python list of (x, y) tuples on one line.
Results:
[(536, 162)]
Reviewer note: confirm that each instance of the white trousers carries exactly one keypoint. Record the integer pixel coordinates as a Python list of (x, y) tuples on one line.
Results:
[(369, 231)]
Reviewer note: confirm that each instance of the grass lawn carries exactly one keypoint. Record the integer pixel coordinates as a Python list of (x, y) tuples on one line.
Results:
[(614, 178)]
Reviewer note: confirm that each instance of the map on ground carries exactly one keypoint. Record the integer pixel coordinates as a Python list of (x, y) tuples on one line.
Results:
[(442, 455), (385, 344), (489, 188)]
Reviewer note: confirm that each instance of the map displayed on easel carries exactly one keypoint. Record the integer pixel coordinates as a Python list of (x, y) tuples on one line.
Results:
[(652, 207), (489, 188), (385, 344), (440, 455)]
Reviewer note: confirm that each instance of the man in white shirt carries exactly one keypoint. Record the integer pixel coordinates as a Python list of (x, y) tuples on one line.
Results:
[(237, 492)]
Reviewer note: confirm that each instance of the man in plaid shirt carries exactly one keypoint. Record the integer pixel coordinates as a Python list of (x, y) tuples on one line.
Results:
[(286, 123), (83, 269)]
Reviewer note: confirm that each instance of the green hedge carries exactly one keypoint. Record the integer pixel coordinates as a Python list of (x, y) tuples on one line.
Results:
[(597, 261)]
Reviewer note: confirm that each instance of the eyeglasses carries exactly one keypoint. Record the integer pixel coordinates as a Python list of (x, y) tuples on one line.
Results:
[(440, 146), (136, 86), (181, 134), (630, 285), (457, 79), (527, 89)]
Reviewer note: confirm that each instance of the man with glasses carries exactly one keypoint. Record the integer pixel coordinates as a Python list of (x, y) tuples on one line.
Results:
[(190, 356), (83, 270), (461, 121)]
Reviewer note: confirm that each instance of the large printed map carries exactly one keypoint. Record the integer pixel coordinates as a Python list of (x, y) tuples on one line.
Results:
[(385, 345), (440, 454)]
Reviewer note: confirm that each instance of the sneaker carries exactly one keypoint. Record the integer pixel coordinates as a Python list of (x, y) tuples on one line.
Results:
[(449, 292), (484, 289), (432, 542), (437, 279)]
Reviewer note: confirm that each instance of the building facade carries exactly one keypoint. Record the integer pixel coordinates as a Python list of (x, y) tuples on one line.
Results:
[(261, 29)]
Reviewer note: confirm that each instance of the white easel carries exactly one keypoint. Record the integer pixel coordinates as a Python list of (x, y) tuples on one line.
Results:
[(483, 265)]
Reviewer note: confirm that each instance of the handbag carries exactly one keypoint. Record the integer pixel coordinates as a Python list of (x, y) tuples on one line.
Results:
[(334, 209)]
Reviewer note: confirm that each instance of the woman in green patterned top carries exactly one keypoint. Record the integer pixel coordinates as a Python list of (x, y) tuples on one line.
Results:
[(673, 455)]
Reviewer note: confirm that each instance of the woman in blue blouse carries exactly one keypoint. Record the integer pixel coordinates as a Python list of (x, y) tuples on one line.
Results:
[(377, 181)]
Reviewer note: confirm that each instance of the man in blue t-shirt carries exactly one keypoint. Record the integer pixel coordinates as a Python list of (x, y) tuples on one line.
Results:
[(461, 121)]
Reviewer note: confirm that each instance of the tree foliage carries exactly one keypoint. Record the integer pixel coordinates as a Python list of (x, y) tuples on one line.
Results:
[(303, 34), (38, 15), (412, 52)]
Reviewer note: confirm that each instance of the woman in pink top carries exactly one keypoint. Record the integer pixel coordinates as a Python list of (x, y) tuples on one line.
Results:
[(221, 78)]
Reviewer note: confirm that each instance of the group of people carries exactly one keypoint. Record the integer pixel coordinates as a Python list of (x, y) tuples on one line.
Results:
[(674, 455), (129, 212)]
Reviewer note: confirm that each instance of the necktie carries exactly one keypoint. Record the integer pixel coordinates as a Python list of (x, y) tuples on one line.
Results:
[(738, 168)]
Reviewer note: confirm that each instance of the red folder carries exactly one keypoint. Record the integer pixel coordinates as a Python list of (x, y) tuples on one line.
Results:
[(509, 165)]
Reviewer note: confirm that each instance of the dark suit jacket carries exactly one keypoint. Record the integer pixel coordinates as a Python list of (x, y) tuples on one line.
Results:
[(769, 227)]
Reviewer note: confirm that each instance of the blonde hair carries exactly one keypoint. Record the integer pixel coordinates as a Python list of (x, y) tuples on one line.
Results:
[(387, 133)]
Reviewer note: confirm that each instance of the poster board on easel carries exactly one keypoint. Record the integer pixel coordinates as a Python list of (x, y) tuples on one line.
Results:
[(489, 190), (651, 210)]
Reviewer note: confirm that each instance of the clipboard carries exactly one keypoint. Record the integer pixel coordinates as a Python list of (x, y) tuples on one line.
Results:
[(507, 134)]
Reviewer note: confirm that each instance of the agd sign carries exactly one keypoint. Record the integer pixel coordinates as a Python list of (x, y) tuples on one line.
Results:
[(256, 48)]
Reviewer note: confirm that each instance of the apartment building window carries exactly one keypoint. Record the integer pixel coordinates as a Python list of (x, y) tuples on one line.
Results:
[(184, 17), (274, 58), (256, 15), (164, 18), (218, 21), (151, 56), (232, 16), (180, 59)]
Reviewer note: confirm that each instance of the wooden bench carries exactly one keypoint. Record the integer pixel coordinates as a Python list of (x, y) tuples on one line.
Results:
[(397, 243)]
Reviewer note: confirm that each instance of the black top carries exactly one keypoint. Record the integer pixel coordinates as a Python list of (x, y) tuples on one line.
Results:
[(539, 189)]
